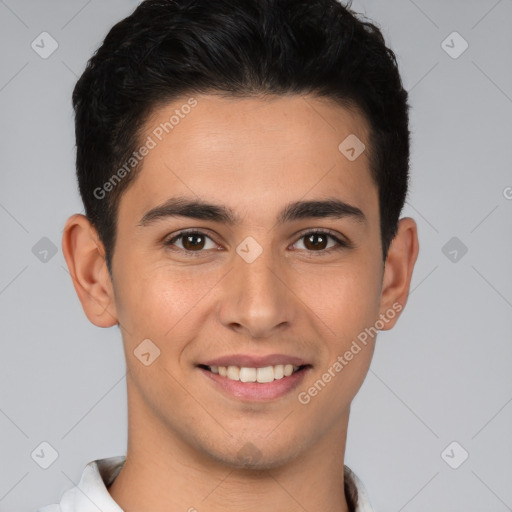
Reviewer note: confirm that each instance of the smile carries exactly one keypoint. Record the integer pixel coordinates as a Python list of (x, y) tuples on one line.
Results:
[(262, 375), (255, 384)]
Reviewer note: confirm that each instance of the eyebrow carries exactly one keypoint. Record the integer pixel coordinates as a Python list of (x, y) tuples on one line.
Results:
[(202, 210)]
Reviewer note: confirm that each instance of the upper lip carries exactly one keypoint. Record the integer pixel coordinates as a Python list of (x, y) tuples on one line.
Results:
[(253, 361)]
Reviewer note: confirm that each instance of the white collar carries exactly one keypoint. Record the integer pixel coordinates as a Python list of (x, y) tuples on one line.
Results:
[(99, 474)]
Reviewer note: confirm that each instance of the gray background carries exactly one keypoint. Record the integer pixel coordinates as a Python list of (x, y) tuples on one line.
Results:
[(443, 374)]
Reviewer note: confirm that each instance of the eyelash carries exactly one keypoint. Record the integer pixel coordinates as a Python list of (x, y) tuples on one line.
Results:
[(340, 243)]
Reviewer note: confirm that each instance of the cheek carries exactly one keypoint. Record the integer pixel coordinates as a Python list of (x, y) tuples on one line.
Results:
[(344, 297), (155, 301), (345, 304)]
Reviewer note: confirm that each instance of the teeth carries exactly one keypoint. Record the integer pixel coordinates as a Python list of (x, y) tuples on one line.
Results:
[(288, 370), (265, 374), (233, 373), (248, 374)]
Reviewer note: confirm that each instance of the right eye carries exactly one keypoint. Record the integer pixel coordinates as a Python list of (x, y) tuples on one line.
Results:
[(191, 241)]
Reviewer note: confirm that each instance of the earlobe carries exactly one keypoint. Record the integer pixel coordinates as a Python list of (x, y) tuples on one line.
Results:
[(85, 257), (398, 269)]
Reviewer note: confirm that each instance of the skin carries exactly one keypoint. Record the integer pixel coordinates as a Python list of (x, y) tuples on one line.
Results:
[(254, 155)]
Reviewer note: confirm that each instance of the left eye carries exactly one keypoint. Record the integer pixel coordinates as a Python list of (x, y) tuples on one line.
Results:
[(196, 241), (316, 240)]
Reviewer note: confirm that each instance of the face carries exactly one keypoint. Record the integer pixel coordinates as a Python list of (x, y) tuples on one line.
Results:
[(278, 263)]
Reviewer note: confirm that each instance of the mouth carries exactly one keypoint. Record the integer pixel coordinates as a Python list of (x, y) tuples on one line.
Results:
[(255, 384)]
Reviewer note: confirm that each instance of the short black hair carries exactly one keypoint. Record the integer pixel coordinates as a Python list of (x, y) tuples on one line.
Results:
[(167, 49)]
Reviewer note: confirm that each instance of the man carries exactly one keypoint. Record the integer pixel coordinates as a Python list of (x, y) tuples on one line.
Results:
[(243, 166)]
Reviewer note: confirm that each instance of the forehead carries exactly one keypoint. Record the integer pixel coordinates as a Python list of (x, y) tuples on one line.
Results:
[(252, 154)]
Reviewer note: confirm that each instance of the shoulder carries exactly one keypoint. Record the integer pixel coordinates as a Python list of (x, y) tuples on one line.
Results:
[(355, 492), (96, 477)]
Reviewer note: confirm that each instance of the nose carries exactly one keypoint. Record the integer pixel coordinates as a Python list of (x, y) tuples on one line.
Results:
[(256, 297)]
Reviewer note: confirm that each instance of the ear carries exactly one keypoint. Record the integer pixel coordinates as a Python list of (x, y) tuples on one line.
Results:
[(400, 261), (85, 257)]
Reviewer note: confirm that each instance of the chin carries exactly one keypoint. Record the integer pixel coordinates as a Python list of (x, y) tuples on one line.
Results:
[(253, 457)]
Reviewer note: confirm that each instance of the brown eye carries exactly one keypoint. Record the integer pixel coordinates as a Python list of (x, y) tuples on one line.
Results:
[(317, 241), (191, 241)]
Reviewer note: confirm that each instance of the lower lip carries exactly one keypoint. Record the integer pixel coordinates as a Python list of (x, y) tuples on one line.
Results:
[(257, 391)]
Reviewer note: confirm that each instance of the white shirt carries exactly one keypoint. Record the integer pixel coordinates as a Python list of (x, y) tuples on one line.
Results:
[(91, 494)]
